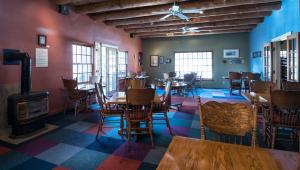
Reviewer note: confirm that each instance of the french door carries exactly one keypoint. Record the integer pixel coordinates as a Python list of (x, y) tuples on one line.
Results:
[(293, 57), (268, 62)]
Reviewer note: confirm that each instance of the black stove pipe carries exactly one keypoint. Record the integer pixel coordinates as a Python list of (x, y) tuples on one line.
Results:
[(25, 72)]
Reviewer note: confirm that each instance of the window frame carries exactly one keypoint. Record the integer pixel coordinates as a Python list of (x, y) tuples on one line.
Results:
[(91, 63), (204, 51)]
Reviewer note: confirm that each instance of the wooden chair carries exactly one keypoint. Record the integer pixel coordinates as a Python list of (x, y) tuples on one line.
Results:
[(235, 81), (228, 119), (190, 80), (137, 83), (284, 113), (138, 111), (291, 86), (160, 110), (245, 79), (107, 110), (261, 86), (74, 96)]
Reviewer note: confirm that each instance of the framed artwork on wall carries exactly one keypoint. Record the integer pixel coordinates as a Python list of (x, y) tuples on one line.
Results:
[(42, 40), (168, 60), (256, 54), (161, 60), (154, 60), (231, 53)]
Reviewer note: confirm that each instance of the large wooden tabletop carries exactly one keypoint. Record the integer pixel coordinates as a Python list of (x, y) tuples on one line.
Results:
[(120, 98), (187, 153)]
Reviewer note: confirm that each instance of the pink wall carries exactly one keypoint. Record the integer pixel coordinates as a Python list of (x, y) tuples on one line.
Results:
[(21, 21)]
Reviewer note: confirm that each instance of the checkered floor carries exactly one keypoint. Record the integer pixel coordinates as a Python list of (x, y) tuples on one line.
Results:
[(73, 145)]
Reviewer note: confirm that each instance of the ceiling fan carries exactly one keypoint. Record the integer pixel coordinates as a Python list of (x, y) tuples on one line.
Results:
[(189, 29), (175, 10)]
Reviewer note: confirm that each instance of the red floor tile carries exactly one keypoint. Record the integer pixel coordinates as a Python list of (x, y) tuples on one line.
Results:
[(116, 162), (4, 150)]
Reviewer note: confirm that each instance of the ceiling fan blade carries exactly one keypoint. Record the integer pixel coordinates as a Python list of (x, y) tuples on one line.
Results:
[(194, 28), (192, 11), (165, 17), (161, 12), (183, 17)]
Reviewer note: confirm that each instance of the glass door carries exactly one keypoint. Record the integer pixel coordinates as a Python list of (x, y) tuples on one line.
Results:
[(268, 62), (112, 69), (293, 57)]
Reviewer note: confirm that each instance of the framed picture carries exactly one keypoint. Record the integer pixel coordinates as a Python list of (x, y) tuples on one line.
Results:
[(42, 40), (256, 54), (231, 53), (161, 60), (168, 60), (154, 60)]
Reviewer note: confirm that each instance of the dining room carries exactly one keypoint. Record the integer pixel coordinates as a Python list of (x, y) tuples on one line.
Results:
[(147, 84)]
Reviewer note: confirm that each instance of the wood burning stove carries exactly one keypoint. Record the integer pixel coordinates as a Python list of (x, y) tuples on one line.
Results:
[(27, 112)]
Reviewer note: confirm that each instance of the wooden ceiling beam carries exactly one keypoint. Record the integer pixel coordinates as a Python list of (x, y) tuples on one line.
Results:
[(238, 22), (63, 2), (113, 5), (214, 12), (204, 5), (194, 34), (179, 22), (246, 27), (199, 19)]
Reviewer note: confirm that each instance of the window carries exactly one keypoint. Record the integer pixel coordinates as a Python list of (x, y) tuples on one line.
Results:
[(198, 62), (122, 63), (82, 63)]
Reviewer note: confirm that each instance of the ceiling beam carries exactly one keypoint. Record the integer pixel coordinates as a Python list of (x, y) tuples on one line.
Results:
[(171, 23), (199, 19), (239, 22), (213, 12), (246, 27), (194, 34), (63, 2), (204, 5), (113, 5)]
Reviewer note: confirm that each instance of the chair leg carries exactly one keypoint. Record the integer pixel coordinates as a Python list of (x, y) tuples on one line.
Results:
[(168, 122), (75, 108), (274, 129), (299, 139), (99, 127), (128, 130), (150, 132)]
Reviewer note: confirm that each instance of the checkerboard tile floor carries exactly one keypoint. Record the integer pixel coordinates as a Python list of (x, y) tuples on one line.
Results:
[(73, 145)]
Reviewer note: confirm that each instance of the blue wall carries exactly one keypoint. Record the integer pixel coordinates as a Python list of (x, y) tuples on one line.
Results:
[(287, 19)]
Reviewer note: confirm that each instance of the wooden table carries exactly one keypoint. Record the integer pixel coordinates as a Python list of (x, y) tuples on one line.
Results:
[(262, 97), (187, 153), (120, 98)]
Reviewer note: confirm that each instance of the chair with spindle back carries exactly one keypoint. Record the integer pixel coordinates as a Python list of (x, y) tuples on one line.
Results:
[(235, 81), (284, 113), (107, 110), (245, 79), (261, 86), (160, 110), (139, 110), (291, 86), (137, 83), (228, 119), (74, 96)]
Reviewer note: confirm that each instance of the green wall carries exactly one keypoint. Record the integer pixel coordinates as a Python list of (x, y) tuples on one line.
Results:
[(216, 43)]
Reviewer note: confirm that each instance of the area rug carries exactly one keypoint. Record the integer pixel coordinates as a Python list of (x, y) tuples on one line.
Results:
[(5, 133)]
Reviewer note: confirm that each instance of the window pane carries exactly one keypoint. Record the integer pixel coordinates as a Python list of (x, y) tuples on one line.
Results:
[(198, 62)]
